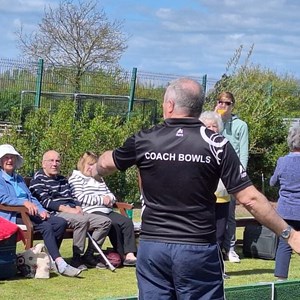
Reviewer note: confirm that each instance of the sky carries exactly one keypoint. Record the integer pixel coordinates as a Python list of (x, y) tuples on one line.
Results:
[(184, 37)]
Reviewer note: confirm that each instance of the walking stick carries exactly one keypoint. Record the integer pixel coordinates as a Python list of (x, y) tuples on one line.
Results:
[(110, 266)]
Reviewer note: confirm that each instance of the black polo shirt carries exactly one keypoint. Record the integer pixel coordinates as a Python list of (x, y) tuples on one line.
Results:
[(180, 163)]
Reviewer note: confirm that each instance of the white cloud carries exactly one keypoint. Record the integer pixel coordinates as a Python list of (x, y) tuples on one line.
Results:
[(22, 6), (191, 36)]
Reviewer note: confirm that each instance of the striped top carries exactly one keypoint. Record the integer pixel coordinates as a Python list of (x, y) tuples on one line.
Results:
[(52, 191), (90, 192)]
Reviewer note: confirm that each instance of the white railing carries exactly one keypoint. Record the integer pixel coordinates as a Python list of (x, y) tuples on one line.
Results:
[(6, 126)]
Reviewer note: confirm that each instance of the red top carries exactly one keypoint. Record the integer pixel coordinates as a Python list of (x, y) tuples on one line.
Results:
[(7, 229)]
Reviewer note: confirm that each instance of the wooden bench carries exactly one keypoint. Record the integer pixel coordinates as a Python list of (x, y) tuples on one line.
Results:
[(30, 234), (243, 221)]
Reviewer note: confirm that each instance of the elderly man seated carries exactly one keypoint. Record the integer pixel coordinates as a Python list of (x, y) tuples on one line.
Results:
[(54, 193)]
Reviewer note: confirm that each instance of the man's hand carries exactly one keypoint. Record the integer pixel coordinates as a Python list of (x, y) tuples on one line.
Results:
[(44, 215), (32, 208), (294, 241), (106, 164), (70, 210)]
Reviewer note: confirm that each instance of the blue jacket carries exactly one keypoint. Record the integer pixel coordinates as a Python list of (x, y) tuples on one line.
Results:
[(287, 177), (8, 196)]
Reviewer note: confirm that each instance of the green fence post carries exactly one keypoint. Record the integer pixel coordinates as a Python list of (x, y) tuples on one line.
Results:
[(132, 91), (270, 92), (204, 82), (39, 79)]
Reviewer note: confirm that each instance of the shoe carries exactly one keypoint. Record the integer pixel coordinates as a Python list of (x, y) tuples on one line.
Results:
[(92, 262), (233, 257), (53, 267), (77, 263), (129, 262), (281, 279), (101, 266), (71, 271)]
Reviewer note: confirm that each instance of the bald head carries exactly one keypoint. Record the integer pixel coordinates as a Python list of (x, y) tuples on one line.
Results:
[(51, 163), (184, 97)]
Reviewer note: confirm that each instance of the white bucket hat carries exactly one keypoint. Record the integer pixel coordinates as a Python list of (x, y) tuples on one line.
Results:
[(9, 149)]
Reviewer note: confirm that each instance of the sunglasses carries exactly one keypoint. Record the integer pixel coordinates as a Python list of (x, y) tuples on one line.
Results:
[(228, 103)]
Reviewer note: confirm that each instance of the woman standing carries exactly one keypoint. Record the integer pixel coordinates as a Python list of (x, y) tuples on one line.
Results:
[(95, 197), (287, 177)]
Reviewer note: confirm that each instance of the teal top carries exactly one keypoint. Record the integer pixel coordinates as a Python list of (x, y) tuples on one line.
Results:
[(236, 131)]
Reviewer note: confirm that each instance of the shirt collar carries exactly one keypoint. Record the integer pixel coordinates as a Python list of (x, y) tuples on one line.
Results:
[(8, 177), (182, 121)]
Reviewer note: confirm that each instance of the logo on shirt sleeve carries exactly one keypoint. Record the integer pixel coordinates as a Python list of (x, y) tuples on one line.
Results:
[(242, 172)]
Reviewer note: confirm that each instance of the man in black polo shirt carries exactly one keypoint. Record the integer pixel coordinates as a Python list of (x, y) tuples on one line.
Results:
[(180, 163)]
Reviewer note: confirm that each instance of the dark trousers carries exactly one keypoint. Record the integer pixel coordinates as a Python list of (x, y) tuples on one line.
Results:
[(121, 233), (284, 252), (52, 231), (169, 271), (222, 211)]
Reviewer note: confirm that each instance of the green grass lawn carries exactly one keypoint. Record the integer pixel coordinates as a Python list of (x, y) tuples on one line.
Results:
[(104, 284)]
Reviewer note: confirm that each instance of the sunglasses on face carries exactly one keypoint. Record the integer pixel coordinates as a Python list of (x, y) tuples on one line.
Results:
[(228, 103)]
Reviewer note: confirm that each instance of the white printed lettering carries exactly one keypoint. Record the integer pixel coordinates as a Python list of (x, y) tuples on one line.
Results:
[(180, 157)]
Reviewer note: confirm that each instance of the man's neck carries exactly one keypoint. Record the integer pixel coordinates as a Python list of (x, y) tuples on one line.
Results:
[(53, 176)]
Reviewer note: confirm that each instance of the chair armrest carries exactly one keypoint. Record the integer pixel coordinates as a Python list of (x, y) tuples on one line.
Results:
[(26, 220), (123, 206)]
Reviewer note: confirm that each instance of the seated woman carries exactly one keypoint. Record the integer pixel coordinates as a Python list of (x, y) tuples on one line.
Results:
[(95, 197), (14, 192)]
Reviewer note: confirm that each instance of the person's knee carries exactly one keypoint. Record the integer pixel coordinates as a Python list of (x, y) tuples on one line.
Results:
[(106, 223), (61, 222), (97, 221), (82, 221), (45, 227)]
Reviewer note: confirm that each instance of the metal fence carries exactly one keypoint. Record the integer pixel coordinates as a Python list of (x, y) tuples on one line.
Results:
[(29, 85)]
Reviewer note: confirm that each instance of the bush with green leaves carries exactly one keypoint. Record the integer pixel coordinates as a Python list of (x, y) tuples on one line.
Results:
[(263, 100), (72, 136)]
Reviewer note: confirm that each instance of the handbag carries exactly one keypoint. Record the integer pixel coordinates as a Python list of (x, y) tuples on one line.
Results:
[(34, 262)]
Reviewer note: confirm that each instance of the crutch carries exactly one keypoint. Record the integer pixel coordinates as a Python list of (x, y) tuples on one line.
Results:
[(110, 266)]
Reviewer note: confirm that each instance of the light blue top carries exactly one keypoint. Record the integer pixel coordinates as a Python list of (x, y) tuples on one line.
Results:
[(236, 131), (13, 191), (287, 177)]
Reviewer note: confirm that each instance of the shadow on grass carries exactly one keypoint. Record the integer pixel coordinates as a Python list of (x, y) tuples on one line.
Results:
[(251, 272)]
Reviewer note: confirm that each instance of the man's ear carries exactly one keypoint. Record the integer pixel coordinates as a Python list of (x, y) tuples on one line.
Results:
[(170, 106)]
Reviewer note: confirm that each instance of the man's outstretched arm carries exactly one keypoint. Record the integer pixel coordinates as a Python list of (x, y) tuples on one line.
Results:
[(105, 165)]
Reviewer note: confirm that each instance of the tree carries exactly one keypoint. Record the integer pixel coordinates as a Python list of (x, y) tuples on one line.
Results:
[(263, 100), (78, 35)]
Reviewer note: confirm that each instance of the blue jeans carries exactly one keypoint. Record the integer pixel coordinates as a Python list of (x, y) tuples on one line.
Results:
[(179, 271), (283, 253), (52, 231)]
